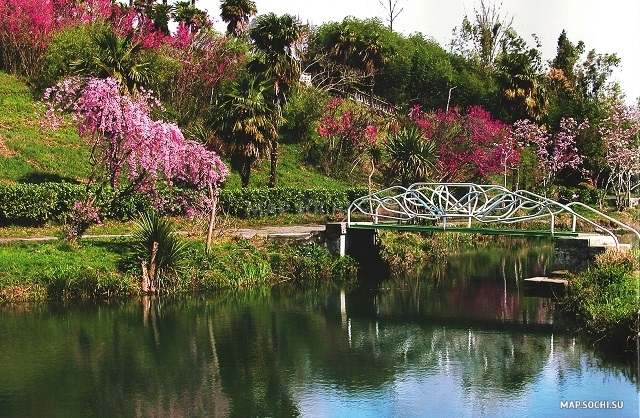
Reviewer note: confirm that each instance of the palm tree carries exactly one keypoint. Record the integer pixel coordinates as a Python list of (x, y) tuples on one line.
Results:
[(412, 156), (248, 121), (275, 37), (236, 14), (186, 13), (116, 57)]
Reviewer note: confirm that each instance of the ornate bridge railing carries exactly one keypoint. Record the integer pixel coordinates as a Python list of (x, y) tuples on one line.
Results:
[(468, 207)]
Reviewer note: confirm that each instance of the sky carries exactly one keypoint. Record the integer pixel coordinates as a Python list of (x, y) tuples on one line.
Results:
[(608, 26)]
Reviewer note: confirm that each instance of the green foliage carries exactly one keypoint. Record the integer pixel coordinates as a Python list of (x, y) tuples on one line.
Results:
[(311, 264), (301, 113), (79, 283), (116, 57), (68, 45), (258, 203), (604, 299), (584, 193), (403, 252), (420, 72), (412, 157), (171, 249), (35, 204)]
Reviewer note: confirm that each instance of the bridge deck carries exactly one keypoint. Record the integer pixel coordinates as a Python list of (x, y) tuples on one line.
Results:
[(460, 229)]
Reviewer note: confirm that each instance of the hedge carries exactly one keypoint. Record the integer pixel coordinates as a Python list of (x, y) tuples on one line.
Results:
[(35, 204)]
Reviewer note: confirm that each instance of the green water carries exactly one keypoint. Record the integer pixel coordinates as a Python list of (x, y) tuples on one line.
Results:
[(463, 340)]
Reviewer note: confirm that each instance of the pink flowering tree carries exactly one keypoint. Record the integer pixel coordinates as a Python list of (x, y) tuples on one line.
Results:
[(131, 152), (471, 146), (554, 152), (348, 133), (621, 137)]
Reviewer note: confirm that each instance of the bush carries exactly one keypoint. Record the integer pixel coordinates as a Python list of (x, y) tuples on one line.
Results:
[(170, 249), (257, 203), (64, 48), (311, 264), (603, 299), (35, 204), (584, 193)]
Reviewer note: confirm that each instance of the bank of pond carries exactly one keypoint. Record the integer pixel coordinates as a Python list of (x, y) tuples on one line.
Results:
[(602, 302), (460, 336)]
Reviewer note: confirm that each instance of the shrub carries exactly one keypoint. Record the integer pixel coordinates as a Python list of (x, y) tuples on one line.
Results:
[(311, 264), (584, 193), (35, 204), (603, 299), (159, 248)]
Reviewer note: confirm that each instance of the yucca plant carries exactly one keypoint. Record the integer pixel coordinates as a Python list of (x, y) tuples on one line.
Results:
[(412, 156), (158, 248)]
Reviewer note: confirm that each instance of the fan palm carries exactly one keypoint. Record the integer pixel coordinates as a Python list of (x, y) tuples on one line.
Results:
[(116, 57), (275, 37), (248, 121), (236, 14)]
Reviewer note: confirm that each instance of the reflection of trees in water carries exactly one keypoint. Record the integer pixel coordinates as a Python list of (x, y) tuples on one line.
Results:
[(483, 282), (113, 363), (249, 353)]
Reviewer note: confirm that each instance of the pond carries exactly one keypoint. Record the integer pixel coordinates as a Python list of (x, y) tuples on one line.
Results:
[(463, 340)]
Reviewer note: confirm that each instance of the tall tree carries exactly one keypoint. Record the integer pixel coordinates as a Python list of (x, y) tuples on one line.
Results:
[(519, 74), (276, 38), (186, 13), (236, 14), (390, 7), (248, 121), (567, 56), (481, 39)]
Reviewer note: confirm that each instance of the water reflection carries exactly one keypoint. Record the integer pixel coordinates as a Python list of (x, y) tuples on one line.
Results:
[(465, 342)]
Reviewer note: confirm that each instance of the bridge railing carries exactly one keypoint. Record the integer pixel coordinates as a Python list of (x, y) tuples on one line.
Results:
[(446, 204)]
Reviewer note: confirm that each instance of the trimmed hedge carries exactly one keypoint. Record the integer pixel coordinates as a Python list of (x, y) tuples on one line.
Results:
[(34, 204), (257, 203)]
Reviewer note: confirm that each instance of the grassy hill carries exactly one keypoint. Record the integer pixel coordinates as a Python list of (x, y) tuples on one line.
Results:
[(29, 153)]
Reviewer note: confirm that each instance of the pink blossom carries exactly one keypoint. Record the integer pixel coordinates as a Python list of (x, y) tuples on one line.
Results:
[(127, 143)]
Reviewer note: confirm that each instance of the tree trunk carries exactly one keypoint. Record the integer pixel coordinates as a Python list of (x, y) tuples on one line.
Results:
[(144, 283), (274, 163), (245, 171), (152, 268), (212, 218)]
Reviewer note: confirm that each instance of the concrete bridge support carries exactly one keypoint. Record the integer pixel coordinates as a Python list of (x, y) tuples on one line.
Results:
[(358, 243), (575, 254)]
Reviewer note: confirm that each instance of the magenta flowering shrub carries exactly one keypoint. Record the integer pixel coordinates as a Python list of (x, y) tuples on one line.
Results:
[(127, 144), (26, 27), (347, 132), (471, 146)]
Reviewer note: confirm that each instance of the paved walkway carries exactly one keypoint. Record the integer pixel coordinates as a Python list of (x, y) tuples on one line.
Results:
[(265, 231)]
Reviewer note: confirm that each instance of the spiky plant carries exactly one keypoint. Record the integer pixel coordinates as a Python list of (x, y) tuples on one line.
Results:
[(412, 156), (158, 247)]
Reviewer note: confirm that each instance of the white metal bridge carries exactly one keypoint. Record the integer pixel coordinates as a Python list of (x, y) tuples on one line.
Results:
[(483, 209)]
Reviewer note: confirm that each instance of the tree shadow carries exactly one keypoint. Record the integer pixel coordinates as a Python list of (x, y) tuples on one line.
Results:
[(43, 177)]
